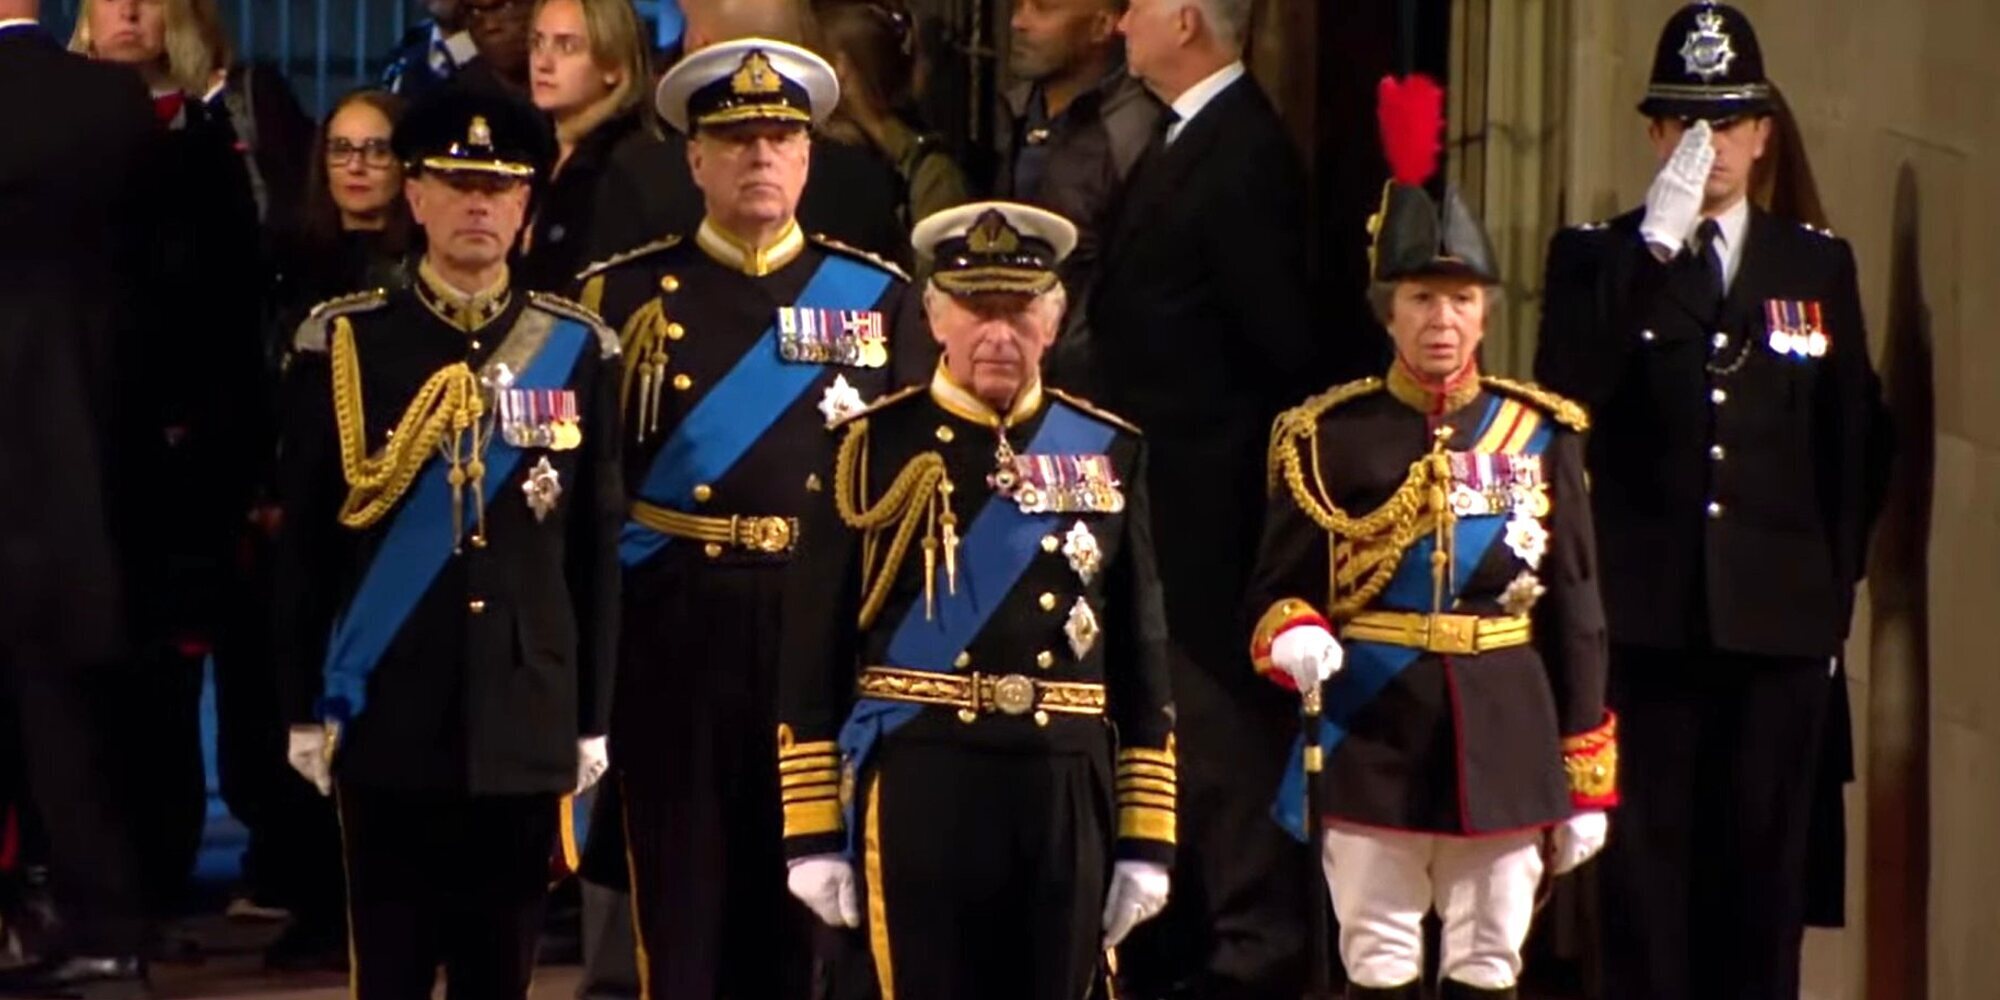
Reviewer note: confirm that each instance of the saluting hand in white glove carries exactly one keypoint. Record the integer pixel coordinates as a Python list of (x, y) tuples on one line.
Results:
[(1673, 203)]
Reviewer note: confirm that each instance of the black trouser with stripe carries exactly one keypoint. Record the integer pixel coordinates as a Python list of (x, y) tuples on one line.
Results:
[(1704, 876), (983, 873), (442, 880)]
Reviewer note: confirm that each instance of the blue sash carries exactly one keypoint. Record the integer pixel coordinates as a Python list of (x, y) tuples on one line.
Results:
[(1370, 666), (1000, 546), (726, 424), (419, 542)]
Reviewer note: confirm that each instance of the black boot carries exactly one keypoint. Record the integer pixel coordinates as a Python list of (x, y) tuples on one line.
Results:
[(1452, 989), (1408, 991)]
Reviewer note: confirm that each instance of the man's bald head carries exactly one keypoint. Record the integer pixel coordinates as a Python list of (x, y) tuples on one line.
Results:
[(712, 21)]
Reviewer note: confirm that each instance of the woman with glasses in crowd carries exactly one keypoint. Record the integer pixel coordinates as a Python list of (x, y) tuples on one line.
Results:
[(590, 70)]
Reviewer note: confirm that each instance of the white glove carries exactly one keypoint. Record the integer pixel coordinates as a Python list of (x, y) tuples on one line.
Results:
[(1578, 839), (825, 883), (1138, 893), (305, 750), (592, 760), (1308, 654), (1673, 203)]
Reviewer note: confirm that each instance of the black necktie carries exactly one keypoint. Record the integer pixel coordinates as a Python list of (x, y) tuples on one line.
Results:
[(1702, 268)]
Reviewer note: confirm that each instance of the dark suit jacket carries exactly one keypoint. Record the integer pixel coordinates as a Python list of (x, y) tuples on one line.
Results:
[(77, 138), (1201, 335), (1730, 482)]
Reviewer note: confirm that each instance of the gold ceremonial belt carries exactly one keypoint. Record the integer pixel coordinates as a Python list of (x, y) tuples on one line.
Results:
[(769, 535), (1462, 635), (1012, 694)]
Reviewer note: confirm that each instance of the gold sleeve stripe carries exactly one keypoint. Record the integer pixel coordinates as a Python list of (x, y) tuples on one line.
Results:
[(823, 749), (809, 793), (1146, 785), (1130, 799), (1155, 771), (823, 776), (806, 819), (1141, 755), (817, 762), (1146, 824)]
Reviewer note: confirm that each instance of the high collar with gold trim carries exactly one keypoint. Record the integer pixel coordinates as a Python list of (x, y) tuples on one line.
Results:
[(743, 256), (959, 401), (463, 312), (1433, 399)]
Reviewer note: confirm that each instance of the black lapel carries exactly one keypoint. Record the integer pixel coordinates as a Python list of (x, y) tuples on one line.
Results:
[(1158, 173)]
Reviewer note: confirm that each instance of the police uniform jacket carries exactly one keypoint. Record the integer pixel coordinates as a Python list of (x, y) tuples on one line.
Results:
[(506, 659), (1729, 477), (1460, 741), (834, 631)]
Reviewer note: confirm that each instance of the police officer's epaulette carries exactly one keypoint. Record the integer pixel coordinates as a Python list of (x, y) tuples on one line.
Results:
[(1096, 411), (881, 402), (312, 334), (1591, 227), (607, 338), (859, 254), (1567, 412), (628, 256), (1818, 230), (1303, 420)]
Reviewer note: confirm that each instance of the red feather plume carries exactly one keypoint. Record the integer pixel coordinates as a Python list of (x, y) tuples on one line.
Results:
[(1411, 114)]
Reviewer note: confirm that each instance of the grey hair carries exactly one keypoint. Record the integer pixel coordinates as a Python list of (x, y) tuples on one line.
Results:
[(1050, 304), (1229, 19), (1382, 300)]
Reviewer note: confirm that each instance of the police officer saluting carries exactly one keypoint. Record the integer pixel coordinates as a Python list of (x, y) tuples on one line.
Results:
[(1723, 356), (974, 637), (742, 343), (448, 574), (1436, 521)]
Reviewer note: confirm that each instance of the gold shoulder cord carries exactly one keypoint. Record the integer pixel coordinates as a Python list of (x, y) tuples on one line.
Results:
[(448, 405), (920, 492), (644, 344), (1364, 552)]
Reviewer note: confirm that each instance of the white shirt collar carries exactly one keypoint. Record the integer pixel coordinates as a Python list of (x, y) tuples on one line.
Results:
[(1733, 225), (1197, 97)]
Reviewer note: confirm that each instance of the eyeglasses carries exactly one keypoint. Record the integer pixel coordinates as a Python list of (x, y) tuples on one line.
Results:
[(373, 152), (562, 45)]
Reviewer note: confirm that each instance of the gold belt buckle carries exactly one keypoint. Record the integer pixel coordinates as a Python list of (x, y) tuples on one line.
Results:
[(1454, 634), (1014, 694), (769, 535)]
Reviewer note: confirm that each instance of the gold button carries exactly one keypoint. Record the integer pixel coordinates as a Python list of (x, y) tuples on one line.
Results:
[(476, 606), (683, 382), (1050, 543), (475, 345), (670, 284), (1042, 719), (945, 434), (702, 493), (713, 550), (964, 660), (1045, 659), (478, 541), (1048, 602), (968, 716), (675, 331)]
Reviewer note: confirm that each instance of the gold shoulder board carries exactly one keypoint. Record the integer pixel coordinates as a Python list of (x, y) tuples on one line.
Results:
[(881, 402), (1096, 411), (645, 250)]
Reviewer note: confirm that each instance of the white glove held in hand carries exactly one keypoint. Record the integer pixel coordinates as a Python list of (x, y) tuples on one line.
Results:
[(1673, 203), (305, 750), (1578, 839), (1308, 654), (825, 883), (1138, 893), (592, 760)]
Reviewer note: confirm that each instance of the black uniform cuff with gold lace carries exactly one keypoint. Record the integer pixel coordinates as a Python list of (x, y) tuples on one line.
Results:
[(1148, 789), (809, 788)]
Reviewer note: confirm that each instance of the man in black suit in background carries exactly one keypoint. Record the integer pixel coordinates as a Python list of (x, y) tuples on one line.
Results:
[(71, 172), (1201, 335)]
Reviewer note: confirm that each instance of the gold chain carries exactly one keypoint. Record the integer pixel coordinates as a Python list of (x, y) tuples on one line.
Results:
[(448, 404)]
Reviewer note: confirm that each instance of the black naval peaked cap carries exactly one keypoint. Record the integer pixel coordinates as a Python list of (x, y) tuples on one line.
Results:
[(1415, 234), (747, 80), (1708, 65), (462, 129), (994, 246)]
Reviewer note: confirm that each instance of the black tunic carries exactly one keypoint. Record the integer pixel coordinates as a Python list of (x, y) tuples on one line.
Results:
[(507, 658), (1454, 744)]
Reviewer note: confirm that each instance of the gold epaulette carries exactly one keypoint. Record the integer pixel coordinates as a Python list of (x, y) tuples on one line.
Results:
[(881, 402), (1567, 412), (626, 257), (312, 334), (1300, 420), (607, 338), (1096, 411), (853, 251)]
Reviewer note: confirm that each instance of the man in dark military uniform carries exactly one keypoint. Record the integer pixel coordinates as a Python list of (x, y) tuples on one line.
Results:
[(974, 634), (741, 345), (1723, 355), (448, 568), (1436, 520)]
